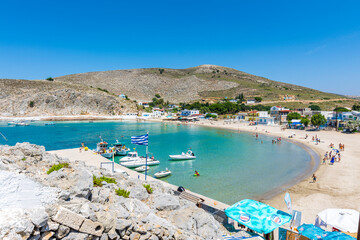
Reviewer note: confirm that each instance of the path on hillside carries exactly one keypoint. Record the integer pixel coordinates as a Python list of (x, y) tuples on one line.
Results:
[(303, 101)]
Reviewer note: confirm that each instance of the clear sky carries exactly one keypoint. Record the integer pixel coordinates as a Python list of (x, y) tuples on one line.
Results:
[(311, 43)]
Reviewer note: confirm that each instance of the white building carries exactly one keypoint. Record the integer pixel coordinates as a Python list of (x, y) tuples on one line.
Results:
[(129, 116), (157, 112), (144, 104), (263, 114), (122, 96), (250, 101), (187, 112)]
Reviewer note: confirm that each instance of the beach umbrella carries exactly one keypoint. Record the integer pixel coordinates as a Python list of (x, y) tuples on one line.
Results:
[(315, 233), (257, 216), (346, 220)]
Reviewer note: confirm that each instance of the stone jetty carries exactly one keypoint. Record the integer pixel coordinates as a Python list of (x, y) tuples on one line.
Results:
[(76, 201)]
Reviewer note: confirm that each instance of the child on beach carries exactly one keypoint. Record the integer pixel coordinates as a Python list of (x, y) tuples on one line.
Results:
[(314, 178), (324, 160)]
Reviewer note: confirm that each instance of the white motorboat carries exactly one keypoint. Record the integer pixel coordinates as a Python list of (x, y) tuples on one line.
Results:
[(139, 163), (189, 155), (142, 169), (162, 174), (50, 123), (132, 156)]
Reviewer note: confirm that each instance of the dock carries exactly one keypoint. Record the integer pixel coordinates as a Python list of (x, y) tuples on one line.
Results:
[(93, 159)]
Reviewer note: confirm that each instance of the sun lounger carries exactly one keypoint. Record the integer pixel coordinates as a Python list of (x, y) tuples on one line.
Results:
[(191, 197)]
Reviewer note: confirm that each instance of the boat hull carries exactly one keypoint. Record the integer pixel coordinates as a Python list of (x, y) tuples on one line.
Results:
[(180, 157), (162, 174)]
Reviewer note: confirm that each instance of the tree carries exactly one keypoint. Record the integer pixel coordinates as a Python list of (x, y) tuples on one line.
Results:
[(305, 121), (293, 115), (161, 70), (204, 110), (356, 107), (240, 97), (157, 95), (314, 107), (341, 109), (318, 120), (258, 99), (50, 79), (210, 116), (353, 125)]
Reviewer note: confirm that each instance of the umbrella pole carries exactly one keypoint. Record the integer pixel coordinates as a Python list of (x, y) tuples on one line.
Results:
[(358, 233)]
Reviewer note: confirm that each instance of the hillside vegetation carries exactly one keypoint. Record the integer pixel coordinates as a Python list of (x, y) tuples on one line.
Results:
[(35, 98), (205, 82)]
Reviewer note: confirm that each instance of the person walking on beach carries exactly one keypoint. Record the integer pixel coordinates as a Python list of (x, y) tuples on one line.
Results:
[(314, 178)]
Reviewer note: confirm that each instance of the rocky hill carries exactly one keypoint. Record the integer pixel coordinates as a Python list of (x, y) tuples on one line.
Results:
[(208, 82), (34, 98)]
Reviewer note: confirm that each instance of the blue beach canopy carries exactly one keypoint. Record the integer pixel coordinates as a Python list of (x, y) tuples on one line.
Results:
[(257, 216), (315, 233)]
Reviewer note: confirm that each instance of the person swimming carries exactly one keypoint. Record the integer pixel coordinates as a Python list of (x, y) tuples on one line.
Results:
[(197, 173)]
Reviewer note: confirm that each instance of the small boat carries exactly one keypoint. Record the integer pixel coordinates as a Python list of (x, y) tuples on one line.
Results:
[(139, 163), (21, 124), (162, 174), (50, 123), (189, 155), (120, 149), (142, 169), (12, 123), (102, 149), (131, 156)]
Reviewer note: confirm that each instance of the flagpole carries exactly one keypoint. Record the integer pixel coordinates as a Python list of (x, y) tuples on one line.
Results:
[(147, 145)]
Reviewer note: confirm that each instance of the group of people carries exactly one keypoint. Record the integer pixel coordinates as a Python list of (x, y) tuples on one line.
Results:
[(333, 156), (278, 140)]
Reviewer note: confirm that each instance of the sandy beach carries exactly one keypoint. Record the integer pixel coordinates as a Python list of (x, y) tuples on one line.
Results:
[(336, 185)]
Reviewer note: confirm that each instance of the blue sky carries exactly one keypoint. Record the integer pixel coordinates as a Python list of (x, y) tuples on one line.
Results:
[(310, 43)]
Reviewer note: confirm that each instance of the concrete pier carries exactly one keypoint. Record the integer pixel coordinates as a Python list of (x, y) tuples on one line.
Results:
[(92, 159)]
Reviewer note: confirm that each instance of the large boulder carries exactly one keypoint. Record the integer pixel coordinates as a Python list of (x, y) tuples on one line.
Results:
[(197, 221), (139, 192), (14, 222), (166, 202), (83, 183)]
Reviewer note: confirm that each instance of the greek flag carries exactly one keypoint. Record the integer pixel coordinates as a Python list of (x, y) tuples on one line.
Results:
[(140, 140)]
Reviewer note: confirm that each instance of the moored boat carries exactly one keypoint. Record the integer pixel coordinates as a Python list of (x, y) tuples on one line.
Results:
[(131, 156), (102, 149), (139, 163), (142, 169), (162, 174), (120, 149), (189, 155)]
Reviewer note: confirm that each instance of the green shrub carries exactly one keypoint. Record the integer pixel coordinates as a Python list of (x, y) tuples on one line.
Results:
[(161, 70), (104, 90), (98, 181), (122, 192), (23, 159), (31, 104), (148, 188), (57, 167), (50, 79), (340, 128)]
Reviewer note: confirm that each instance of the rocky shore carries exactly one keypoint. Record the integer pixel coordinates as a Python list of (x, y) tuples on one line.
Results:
[(76, 201)]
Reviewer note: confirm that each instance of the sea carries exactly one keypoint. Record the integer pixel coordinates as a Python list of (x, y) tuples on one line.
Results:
[(233, 165)]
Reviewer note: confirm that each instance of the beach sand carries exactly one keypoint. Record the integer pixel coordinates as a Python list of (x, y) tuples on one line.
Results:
[(337, 186)]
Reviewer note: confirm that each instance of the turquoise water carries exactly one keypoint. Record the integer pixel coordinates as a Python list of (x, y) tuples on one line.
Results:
[(232, 165)]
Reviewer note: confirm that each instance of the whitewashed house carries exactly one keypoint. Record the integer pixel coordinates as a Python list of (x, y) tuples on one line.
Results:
[(186, 112), (157, 112), (250, 101)]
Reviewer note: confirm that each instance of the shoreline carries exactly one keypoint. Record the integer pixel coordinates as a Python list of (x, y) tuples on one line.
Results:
[(336, 186)]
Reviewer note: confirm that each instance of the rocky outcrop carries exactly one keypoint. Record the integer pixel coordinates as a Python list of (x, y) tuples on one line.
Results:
[(35, 98), (66, 205)]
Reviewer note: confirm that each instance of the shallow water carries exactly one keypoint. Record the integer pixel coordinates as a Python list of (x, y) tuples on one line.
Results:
[(232, 165)]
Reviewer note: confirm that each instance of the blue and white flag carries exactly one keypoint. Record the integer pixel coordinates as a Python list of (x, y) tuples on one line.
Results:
[(140, 140)]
